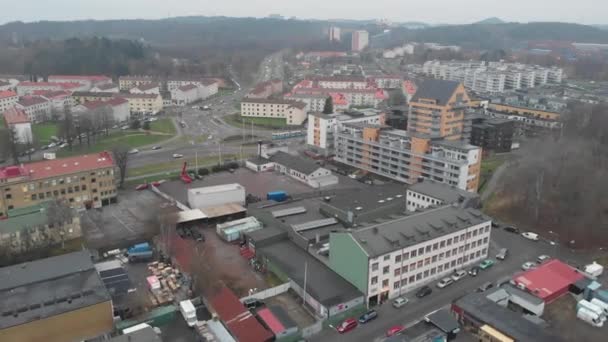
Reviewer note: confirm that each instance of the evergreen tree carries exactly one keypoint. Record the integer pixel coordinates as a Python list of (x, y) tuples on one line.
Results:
[(329, 106)]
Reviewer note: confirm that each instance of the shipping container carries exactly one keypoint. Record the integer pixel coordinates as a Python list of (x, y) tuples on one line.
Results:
[(213, 196), (234, 230), (278, 196)]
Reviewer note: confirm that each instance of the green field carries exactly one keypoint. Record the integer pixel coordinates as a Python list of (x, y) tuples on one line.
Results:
[(489, 165), (165, 125), (237, 120), (131, 139), (43, 132)]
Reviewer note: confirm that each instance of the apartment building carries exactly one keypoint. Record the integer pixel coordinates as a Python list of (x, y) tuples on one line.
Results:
[(37, 108), (492, 134), (334, 34), (83, 181), (343, 82), (387, 81), (118, 107), (355, 91), (192, 92), (80, 97), (28, 88), (106, 88), (59, 99), (175, 82), (360, 40), (148, 88), (89, 81), (127, 82), (143, 103), (322, 127), (314, 102), (5, 86), (493, 77), (292, 111), (18, 122), (389, 259), (8, 99), (266, 89), (429, 194)]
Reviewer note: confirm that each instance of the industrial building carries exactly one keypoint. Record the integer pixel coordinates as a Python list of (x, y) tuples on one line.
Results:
[(390, 258), (55, 299), (303, 170), (548, 281), (427, 193)]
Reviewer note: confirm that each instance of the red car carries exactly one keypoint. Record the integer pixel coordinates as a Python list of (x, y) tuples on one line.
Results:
[(346, 326), (142, 186), (395, 330)]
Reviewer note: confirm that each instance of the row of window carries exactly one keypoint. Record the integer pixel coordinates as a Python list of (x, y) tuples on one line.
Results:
[(424, 198)]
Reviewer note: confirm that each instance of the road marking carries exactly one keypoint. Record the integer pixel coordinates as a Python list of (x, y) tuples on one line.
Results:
[(123, 224)]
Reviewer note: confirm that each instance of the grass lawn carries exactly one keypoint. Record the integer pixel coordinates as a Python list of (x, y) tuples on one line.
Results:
[(44, 131), (176, 164), (488, 166), (131, 139), (269, 123), (165, 125)]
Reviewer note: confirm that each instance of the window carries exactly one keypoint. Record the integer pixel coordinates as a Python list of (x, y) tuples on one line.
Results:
[(385, 283), (442, 244), (77, 188), (387, 257), (374, 280), (397, 272), (406, 255), (396, 285), (403, 282), (447, 254), (413, 253), (412, 266), (428, 249), (439, 268), (449, 242), (398, 258), (385, 270), (433, 270), (84, 187), (9, 196), (426, 273), (427, 261), (487, 229), (435, 246), (420, 263), (404, 269), (41, 195), (420, 251), (374, 266), (455, 239), (419, 276), (434, 259), (62, 191), (34, 197), (485, 240), (412, 279)]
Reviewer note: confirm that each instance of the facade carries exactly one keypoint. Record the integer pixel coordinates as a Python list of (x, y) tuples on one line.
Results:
[(89, 81), (37, 108), (8, 99), (320, 135), (303, 170), (428, 194), (314, 102), (18, 121), (388, 259), (83, 181), (343, 82), (59, 99), (29, 228), (291, 111), (334, 34), (127, 82), (143, 103), (185, 95), (387, 81), (352, 91), (493, 77), (5, 86), (80, 97), (265, 89), (27, 88), (492, 134), (360, 40), (176, 82), (117, 106), (106, 88), (56, 299), (149, 88)]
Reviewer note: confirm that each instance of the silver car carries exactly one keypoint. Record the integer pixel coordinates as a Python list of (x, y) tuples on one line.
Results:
[(502, 254), (399, 302)]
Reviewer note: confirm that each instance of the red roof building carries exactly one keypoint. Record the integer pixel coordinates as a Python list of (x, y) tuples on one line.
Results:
[(7, 94), (80, 78), (549, 281), (15, 116), (239, 321)]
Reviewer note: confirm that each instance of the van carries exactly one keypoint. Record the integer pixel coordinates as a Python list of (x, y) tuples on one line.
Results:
[(601, 304), (585, 304)]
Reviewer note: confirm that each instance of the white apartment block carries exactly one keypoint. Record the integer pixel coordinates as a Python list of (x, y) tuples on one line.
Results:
[(37, 108), (149, 88), (321, 129), (185, 95), (128, 82), (493, 77), (360, 40), (292, 111), (334, 34), (337, 82), (17, 120), (389, 259), (314, 102), (387, 81), (143, 103), (426, 194), (174, 83), (8, 99)]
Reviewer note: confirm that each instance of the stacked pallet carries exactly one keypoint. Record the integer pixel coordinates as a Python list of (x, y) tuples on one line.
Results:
[(169, 283)]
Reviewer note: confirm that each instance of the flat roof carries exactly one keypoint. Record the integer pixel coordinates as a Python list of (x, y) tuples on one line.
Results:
[(443, 320), (550, 277), (216, 188), (223, 210), (444, 192), (322, 283), (367, 198), (143, 335), (49, 287), (190, 215), (306, 166), (389, 236)]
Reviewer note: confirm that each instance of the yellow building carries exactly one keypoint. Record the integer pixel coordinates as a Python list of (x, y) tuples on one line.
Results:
[(144, 103), (81, 97), (83, 181)]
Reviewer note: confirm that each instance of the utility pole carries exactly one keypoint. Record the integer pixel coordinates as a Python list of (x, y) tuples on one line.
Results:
[(305, 278), (196, 161), (220, 151)]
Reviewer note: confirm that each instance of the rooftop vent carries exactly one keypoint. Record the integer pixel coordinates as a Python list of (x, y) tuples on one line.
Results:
[(381, 201)]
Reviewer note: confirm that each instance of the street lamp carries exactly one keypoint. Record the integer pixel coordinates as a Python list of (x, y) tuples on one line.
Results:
[(554, 243)]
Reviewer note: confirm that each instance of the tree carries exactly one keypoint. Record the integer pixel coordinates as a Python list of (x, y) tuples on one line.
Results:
[(146, 125), (135, 124), (67, 127), (396, 98), (121, 157), (58, 214), (328, 108), (13, 143)]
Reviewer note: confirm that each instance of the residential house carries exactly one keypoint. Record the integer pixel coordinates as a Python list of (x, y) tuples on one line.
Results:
[(88, 81), (59, 99), (265, 89), (148, 88), (5, 86), (37, 108), (127, 82), (149, 104), (18, 122), (118, 107), (303, 170), (8, 99)]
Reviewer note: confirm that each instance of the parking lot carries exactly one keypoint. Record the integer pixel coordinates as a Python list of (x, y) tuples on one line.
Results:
[(291, 303), (118, 225)]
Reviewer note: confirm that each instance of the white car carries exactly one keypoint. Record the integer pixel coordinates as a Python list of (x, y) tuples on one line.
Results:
[(542, 258), (399, 302), (528, 266), (445, 282), (459, 275), (177, 155), (133, 151), (530, 236)]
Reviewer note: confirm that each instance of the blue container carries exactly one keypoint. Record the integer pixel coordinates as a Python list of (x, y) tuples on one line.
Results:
[(278, 196)]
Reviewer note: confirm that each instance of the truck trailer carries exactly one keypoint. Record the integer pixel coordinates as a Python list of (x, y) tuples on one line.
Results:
[(277, 196), (188, 312), (213, 196), (140, 252)]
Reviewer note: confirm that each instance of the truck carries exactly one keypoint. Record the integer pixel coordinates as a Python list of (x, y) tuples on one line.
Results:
[(601, 304), (188, 311), (590, 317), (139, 252), (213, 196), (277, 196), (585, 304)]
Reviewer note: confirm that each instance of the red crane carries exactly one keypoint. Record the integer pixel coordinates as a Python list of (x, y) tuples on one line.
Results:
[(184, 175)]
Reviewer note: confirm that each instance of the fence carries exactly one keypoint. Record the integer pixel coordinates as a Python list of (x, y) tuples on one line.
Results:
[(271, 292), (313, 329)]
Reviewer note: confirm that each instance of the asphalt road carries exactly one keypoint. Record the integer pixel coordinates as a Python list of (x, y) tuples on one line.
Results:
[(520, 251)]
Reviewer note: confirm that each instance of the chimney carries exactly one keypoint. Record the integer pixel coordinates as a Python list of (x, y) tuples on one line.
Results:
[(259, 148)]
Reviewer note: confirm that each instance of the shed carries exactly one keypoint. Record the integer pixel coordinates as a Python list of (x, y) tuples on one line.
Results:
[(277, 320), (445, 321), (234, 230)]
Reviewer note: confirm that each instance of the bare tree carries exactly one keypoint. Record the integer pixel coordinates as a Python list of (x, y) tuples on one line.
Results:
[(67, 127), (13, 143), (59, 214), (121, 157)]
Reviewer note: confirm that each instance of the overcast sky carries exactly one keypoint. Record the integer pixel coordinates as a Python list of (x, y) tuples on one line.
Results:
[(431, 11)]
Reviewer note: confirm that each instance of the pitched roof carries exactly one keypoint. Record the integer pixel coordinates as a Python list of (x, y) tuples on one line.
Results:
[(13, 116), (137, 96), (81, 77), (27, 101), (52, 94), (439, 90), (187, 87), (147, 86), (208, 81), (92, 94), (7, 93), (305, 166), (115, 101), (107, 86), (441, 191)]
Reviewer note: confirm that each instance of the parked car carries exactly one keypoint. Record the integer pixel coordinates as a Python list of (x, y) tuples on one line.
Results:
[(445, 282), (542, 258), (474, 271), (459, 275), (528, 266), (346, 326), (394, 330), (486, 264), (485, 286), (399, 302), (530, 236), (252, 303), (133, 151), (51, 145), (512, 229), (142, 186), (156, 148), (502, 254), (424, 291), (198, 236), (368, 316), (177, 155)]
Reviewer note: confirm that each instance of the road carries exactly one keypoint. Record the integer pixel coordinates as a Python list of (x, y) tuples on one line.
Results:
[(520, 251)]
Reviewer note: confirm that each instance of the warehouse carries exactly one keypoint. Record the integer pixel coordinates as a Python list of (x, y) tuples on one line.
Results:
[(213, 196), (548, 281)]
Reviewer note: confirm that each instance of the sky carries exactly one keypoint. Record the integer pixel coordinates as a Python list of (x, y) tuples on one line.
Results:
[(430, 11)]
